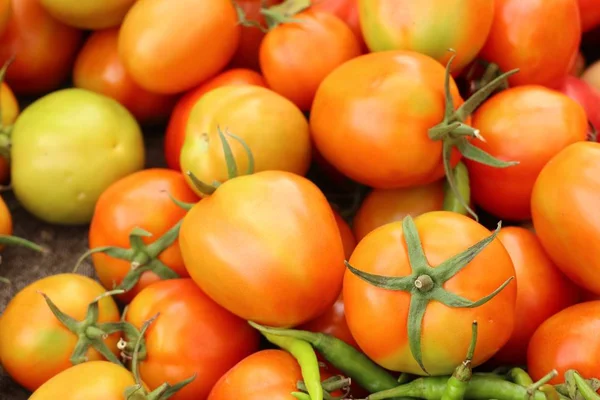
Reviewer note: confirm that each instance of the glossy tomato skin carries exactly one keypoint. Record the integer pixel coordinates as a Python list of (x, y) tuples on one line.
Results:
[(288, 59), (34, 345), (382, 206), (428, 27), (332, 322), (521, 38), (443, 235), (347, 11), (186, 315), (274, 270), (140, 200), (98, 68), (564, 212), (10, 110), (274, 129), (6, 222), (589, 10), (45, 49), (586, 95), (567, 340), (348, 240), (542, 291), (149, 29), (529, 124), (5, 14), (93, 15), (175, 134)]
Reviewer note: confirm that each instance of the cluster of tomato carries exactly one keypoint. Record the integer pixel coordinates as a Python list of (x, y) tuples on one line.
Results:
[(327, 165)]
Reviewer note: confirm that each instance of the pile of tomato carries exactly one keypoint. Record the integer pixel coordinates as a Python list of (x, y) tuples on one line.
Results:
[(362, 199)]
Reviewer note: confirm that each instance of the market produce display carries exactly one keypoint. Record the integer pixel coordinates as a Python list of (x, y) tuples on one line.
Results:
[(359, 199)]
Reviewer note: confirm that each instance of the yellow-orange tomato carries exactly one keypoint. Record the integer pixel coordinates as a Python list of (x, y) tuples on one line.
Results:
[(89, 14), (171, 46), (10, 110), (348, 239), (383, 206), (6, 225)]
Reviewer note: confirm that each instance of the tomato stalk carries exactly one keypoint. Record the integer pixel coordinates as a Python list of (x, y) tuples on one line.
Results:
[(426, 283), (451, 201)]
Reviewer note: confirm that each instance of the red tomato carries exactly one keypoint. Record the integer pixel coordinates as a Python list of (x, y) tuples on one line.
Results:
[(587, 96), (592, 75), (175, 135), (10, 109), (140, 200), (542, 291), (347, 11), (590, 14), (5, 14), (258, 255), (565, 213), (170, 47), (185, 316), (529, 124), (521, 37), (567, 340), (45, 49), (332, 322), (346, 233), (291, 65)]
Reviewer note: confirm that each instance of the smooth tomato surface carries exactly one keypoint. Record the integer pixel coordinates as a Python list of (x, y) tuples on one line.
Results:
[(34, 345), (99, 68), (521, 37), (191, 335), (88, 14), (378, 317), (5, 14), (589, 10), (10, 110), (288, 59), (347, 11), (586, 95), (44, 49), (140, 200), (529, 124), (332, 322), (377, 102), (567, 340), (175, 135), (542, 291), (275, 130), (565, 216), (348, 239), (258, 255), (170, 47), (6, 222)]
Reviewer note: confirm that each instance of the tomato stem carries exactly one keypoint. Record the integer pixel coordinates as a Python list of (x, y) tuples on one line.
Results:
[(520, 377), (452, 202), (284, 12), (531, 390)]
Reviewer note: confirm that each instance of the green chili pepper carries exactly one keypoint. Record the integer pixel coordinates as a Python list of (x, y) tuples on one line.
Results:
[(550, 392), (585, 390), (459, 381), (452, 201), (520, 377)]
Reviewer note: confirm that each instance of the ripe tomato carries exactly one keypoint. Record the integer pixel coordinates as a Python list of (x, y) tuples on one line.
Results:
[(592, 75), (10, 110), (382, 206), (381, 101), (565, 216), (348, 240), (194, 56), (378, 317), (44, 48), (34, 345), (332, 322), (6, 223), (274, 270), (288, 59), (140, 200), (567, 340), (347, 11), (95, 14), (542, 291), (186, 316), (589, 10), (521, 38), (272, 126), (430, 27), (528, 124), (175, 135), (586, 95), (5, 14), (98, 68)]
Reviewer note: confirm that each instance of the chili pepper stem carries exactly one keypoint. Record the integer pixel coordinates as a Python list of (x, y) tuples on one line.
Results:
[(519, 376)]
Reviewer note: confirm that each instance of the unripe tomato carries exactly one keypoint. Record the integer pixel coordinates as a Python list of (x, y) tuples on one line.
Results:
[(88, 14)]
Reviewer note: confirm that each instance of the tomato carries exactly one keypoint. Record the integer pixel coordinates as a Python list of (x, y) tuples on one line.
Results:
[(140, 200), (551, 120), (6, 223), (34, 345), (332, 322), (288, 59), (94, 14), (382, 206), (45, 49), (592, 75), (191, 335), (59, 168), (377, 102), (98, 68), (10, 110), (5, 14), (542, 291), (184, 34), (347, 11), (348, 240), (564, 212), (258, 255), (589, 11), (429, 27), (521, 38), (272, 126), (175, 135), (378, 317), (586, 95), (567, 340)]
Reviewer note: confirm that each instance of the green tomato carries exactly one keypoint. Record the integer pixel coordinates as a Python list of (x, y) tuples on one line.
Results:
[(67, 148), (88, 14)]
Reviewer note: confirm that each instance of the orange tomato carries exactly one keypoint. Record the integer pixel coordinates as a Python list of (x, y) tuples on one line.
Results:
[(348, 239), (98, 68), (170, 47), (347, 11), (332, 322), (589, 10), (6, 223), (91, 14), (288, 59), (175, 135), (5, 14), (10, 110)]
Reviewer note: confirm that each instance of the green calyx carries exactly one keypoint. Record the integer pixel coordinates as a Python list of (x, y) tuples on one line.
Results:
[(462, 185), (455, 134), (578, 388), (275, 15), (464, 372), (425, 284)]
